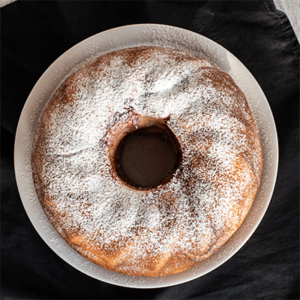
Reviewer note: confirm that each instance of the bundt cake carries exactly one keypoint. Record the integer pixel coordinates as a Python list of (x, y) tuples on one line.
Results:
[(95, 131)]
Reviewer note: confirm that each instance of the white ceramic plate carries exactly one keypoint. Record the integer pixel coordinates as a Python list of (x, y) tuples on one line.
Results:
[(132, 36)]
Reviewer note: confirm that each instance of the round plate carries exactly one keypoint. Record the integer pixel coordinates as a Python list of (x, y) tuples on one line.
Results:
[(133, 36)]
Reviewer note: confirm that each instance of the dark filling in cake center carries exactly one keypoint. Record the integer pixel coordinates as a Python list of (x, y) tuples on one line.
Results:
[(147, 157)]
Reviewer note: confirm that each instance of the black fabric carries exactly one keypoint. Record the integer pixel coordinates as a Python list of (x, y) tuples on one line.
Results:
[(34, 34)]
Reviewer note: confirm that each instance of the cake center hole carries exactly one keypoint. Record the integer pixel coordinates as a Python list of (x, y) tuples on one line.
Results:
[(147, 157)]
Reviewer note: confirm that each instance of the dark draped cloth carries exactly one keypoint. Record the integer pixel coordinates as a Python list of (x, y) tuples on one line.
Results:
[(34, 34)]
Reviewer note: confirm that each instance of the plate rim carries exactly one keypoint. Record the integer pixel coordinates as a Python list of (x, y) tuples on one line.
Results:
[(17, 140)]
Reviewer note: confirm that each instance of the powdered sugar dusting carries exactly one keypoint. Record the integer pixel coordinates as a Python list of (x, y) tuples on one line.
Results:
[(194, 213)]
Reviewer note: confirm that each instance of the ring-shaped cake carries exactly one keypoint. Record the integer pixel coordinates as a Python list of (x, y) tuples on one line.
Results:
[(196, 207)]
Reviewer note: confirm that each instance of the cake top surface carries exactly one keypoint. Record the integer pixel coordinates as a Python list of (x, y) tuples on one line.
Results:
[(208, 195)]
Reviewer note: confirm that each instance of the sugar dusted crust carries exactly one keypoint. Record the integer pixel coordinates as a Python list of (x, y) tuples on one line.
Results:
[(177, 225)]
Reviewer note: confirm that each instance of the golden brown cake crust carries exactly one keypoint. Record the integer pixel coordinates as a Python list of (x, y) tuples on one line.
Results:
[(177, 225)]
